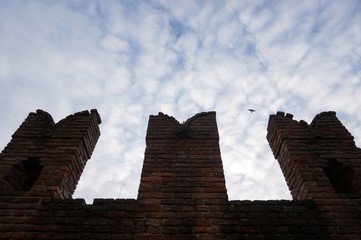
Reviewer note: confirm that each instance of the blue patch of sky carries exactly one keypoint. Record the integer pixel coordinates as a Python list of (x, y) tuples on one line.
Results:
[(356, 67), (158, 6), (263, 67), (298, 30), (180, 62), (177, 28), (93, 11), (355, 9), (250, 53), (250, 49), (353, 14), (135, 50), (318, 22), (129, 6), (270, 6), (344, 22), (316, 28), (101, 17)]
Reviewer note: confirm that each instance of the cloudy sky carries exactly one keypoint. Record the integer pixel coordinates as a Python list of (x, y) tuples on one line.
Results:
[(132, 59)]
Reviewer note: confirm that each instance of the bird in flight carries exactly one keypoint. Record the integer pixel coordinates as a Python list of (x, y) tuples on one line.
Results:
[(251, 110)]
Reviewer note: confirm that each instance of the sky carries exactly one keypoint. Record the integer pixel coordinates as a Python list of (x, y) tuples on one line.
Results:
[(131, 59)]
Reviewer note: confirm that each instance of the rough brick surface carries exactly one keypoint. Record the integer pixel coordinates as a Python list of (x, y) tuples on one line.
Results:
[(182, 162), (47, 159), (319, 160), (182, 192)]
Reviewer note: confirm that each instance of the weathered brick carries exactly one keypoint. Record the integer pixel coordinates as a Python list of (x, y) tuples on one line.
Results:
[(182, 194)]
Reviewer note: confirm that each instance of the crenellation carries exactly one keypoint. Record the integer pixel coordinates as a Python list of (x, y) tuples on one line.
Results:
[(289, 115), (182, 193)]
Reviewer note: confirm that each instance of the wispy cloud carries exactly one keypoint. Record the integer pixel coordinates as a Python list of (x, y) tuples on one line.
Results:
[(130, 60)]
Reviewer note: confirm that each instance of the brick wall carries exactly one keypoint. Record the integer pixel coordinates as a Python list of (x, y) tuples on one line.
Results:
[(46, 159), (319, 160), (182, 192), (182, 162)]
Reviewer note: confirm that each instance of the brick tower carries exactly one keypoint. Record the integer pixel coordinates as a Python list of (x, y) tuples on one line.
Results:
[(46, 159), (182, 161), (320, 160)]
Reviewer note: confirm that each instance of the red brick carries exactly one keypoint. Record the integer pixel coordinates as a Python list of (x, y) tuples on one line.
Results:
[(182, 194)]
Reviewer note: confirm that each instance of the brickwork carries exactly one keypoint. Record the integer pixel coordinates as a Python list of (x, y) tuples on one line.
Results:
[(319, 160), (47, 159), (182, 193), (182, 161)]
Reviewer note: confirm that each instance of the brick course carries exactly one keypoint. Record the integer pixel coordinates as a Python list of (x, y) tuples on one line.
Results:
[(182, 193)]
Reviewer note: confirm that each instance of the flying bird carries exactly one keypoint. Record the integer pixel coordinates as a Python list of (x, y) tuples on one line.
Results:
[(251, 110)]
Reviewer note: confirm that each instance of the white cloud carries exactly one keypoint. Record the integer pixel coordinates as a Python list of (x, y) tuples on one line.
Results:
[(131, 60), (114, 44)]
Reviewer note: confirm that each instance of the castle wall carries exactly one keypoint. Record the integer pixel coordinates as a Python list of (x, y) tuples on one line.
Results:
[(182, 194)]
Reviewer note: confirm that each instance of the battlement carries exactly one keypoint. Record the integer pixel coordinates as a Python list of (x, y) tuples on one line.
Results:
[(320, 160), (47, 159), (182, 193), (182, 161)]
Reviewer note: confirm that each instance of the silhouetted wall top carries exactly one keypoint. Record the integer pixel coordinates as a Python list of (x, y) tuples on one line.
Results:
[(182, 193)]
